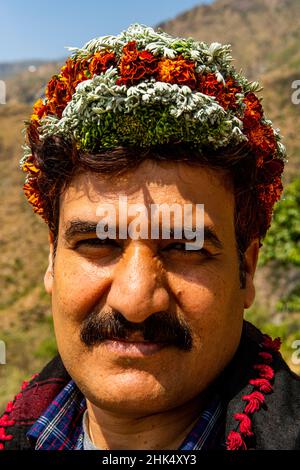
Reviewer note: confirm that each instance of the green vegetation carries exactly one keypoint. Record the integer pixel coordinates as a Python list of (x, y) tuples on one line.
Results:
[(282, 243)]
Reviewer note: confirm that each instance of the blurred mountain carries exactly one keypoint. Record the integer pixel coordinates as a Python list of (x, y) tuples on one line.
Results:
[(265, 38)]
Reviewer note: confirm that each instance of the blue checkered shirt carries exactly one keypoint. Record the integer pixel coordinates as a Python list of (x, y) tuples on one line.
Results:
[(60, 427)]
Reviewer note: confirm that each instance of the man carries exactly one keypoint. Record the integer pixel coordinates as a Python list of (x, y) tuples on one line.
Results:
[(153, 349)]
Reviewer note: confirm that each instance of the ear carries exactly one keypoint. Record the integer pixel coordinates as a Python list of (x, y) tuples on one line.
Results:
[(251, 257), (48, 278)]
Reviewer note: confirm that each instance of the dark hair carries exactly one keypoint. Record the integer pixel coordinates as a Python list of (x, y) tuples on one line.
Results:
[(60, 160)]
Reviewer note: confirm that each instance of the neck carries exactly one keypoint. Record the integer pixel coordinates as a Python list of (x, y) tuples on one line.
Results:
[(163, 430)]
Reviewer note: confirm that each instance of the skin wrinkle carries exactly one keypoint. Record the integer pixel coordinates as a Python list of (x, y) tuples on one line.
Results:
[(121, 392)]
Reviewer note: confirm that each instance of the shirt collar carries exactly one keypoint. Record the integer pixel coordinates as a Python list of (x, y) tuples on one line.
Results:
[(60, 426)]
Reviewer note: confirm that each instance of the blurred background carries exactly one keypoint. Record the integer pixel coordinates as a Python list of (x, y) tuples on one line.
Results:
[(265, 38)]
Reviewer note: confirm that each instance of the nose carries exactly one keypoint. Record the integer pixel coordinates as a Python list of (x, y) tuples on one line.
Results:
[(138, 287)]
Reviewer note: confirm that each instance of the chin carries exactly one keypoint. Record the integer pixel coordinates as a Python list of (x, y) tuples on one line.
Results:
[(129, 393)]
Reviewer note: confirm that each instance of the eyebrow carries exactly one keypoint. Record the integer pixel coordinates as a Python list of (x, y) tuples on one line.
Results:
[(84, 227), (79, 227)]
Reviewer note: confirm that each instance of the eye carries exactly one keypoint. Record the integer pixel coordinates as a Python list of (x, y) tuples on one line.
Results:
[(181, 247), (97, 243)]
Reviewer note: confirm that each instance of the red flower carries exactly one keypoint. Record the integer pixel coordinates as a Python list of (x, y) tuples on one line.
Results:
[(270, 193), (253, 111), (177, 71), (209, 85), (235, 441), (135, 65), (245, 423), (271, 168), (255, 400), (263, 385), (101, 61), (262, 140), (272, 344), (227, 99), (225, 94), (265, 371)]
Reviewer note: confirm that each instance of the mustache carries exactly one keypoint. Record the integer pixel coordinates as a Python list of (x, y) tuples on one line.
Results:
[(161, 327)]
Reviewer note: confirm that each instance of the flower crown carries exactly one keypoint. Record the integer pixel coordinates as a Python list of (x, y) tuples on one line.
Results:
[(143, 88)]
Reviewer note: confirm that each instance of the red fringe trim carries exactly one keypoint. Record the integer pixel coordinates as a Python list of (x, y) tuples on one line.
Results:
[(261, 386), (5, 420)]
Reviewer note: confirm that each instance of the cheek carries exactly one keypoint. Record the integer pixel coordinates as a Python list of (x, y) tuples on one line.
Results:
[(210, 300), (202, 292), (79, 286)]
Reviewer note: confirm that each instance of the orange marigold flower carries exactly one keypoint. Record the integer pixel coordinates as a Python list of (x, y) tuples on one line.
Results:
[(101, 61), (29, 166), (178, 71), (58, 95), (270, 169), (74, 72), (253, 111), (262, 140), (270, 193), (209, 85), (32, 193), (39, 110), (224, 94), (135, 65), (227, 96)]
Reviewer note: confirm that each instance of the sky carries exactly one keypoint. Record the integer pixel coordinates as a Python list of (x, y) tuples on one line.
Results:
[(37, 29)]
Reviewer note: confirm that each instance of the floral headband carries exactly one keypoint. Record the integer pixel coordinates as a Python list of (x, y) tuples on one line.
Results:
[(142, 88)]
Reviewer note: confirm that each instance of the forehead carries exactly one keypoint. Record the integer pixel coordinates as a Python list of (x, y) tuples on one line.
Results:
[(152, 183)]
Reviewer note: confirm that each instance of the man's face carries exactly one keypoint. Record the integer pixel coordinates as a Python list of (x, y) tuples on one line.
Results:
[(141, 281)]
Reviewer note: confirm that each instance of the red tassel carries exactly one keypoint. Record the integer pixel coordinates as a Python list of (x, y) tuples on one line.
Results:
[(5, 421), (272, 344), (255, 400), (24, 385), (267, 357), (3, 436), (235, 441), (265, 371), (1, 446), (245, 423), (9, 407), (263, 385)]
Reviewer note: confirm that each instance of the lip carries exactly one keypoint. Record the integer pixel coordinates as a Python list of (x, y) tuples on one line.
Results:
[(133, 348)]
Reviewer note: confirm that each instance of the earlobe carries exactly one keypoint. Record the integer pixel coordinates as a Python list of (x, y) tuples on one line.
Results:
[(48, 278), (251, 257)]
